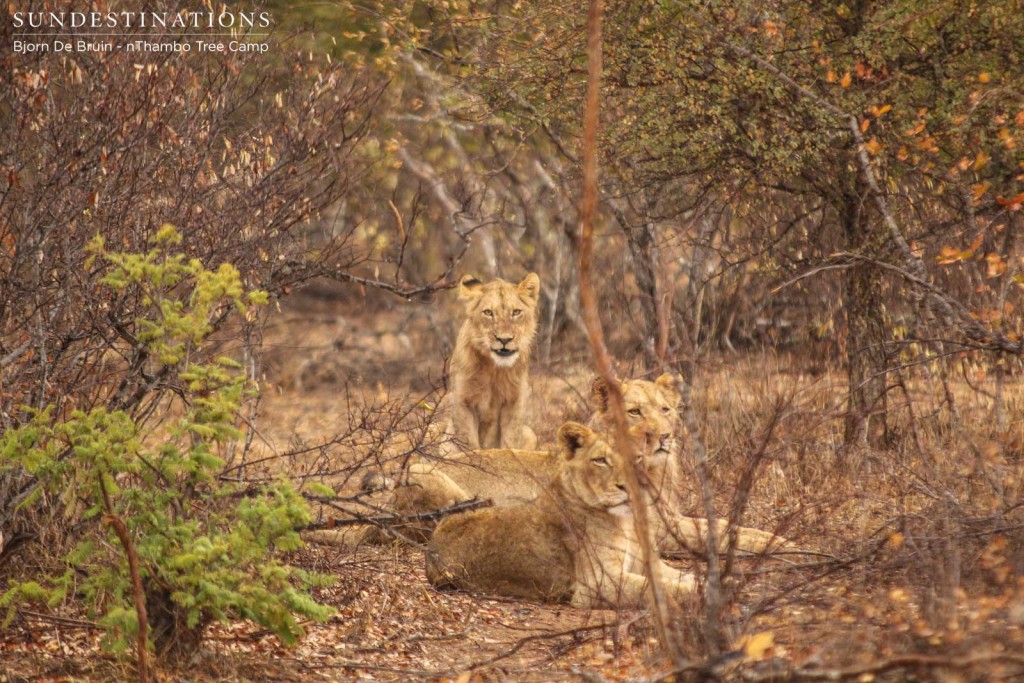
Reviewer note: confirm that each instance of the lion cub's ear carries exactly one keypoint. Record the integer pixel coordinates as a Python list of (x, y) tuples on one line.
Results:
[(667, 384), (572, 436), (470, 287), (599, 392), (529, 288)]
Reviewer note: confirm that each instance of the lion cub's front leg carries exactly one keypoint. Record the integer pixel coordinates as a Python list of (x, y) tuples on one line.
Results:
[(628, 590), (515, 432), (614, 574), (464, 426), (691, 533)]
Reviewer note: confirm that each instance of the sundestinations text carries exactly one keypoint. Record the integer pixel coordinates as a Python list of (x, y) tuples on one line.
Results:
[(183, 19)]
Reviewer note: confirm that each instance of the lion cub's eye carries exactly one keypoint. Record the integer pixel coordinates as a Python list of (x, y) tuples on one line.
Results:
[(516, 312), (666, 409), (635, 412), (489, 313)]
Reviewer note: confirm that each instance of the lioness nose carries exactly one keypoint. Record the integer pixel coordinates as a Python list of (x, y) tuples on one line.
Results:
[(504, 340)]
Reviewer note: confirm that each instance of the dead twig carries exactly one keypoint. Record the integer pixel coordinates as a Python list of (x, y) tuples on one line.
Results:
[(389, 519)]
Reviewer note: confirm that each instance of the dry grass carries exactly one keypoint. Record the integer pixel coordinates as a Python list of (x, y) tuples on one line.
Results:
[(914, 549)]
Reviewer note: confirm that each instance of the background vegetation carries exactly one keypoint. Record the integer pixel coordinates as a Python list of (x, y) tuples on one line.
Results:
[(809, 209)]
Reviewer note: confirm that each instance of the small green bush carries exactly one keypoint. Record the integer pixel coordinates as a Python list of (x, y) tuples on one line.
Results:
[(204, 548)]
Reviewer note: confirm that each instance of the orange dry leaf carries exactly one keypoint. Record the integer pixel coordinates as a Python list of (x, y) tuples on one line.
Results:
[(978, 190), (757, 645), (1013, 203), (948, 255), (996, 265), (917, 128)]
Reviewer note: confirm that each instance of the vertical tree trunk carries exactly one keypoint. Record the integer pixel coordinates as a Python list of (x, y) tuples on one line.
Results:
[(643, 250), (659, 602), (867, 334)]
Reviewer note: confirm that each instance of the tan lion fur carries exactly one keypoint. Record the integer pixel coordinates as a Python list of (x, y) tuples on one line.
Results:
[(510, 477), (489, 367), (573, 543), (652, 408)]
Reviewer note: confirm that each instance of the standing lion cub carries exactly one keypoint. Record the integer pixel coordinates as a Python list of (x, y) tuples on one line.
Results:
[(489, 368)]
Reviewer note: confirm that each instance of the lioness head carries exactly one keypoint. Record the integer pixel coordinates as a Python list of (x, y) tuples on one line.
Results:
[(501, 317), (652, 412), (591, 474)]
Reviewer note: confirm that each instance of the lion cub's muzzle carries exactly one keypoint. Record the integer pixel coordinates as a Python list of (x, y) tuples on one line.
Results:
[(655, 446), (620, 506), (505, 354)]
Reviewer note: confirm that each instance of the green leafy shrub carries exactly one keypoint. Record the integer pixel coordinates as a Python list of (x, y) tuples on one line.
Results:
[(161, 528)]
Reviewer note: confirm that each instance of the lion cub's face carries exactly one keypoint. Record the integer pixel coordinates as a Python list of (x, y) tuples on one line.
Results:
[(501, 317), (591, 472), (652, 412)]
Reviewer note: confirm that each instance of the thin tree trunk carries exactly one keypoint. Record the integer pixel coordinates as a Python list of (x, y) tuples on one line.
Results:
[(642, 242), (866, 423), (588, 303)]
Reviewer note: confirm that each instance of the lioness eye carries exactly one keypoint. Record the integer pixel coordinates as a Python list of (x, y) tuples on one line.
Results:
[(666, 409), (516, 312), (489, 313), (600, 461), (635, 412)]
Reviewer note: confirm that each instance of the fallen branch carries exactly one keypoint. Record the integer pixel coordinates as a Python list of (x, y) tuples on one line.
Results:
[(390, 519), (526, 640)]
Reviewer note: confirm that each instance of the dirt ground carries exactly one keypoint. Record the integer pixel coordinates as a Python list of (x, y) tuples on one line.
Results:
[(910, 571)]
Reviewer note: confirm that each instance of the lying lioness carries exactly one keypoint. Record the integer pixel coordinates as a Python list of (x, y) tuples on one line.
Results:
[(511, 477), (574, 543), (652, 413)]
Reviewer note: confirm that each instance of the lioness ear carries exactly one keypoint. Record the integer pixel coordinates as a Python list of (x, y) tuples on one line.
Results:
[(573, 436), (599, 392), (667, 384), (469, 288), (529, 288)]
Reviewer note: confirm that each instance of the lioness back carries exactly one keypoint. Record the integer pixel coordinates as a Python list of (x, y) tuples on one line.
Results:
[(489, 367), (502, 551), (504, 476)]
